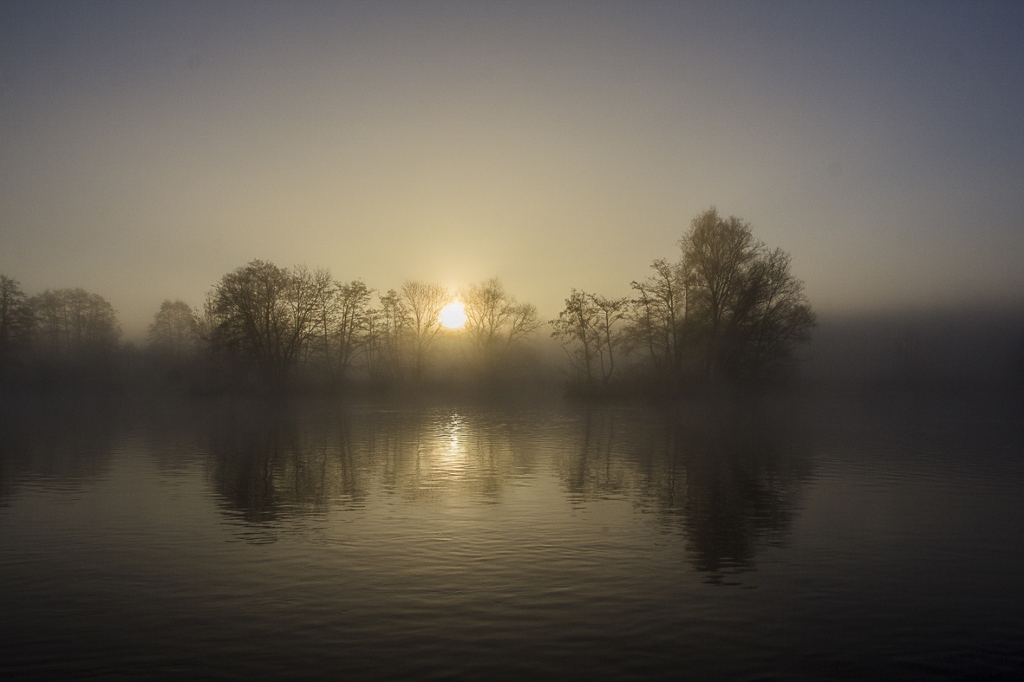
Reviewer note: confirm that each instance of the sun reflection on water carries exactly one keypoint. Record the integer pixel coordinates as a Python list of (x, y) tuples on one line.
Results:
[(450, 454)]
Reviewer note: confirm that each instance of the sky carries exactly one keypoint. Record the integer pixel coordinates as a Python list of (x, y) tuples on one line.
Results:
[(149, 148)]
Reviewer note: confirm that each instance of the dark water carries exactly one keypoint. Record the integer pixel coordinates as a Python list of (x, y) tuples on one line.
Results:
[(851, 537)]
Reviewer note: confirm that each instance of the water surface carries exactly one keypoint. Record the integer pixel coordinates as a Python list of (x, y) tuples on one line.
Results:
[(844, 536)]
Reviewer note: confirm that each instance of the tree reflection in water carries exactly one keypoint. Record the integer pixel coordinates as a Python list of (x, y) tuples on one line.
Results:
[(268, 461), (727, 475), (257, 463), (744, 485)]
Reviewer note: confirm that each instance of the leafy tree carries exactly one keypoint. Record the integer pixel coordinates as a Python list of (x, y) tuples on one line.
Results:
[(495, 321)]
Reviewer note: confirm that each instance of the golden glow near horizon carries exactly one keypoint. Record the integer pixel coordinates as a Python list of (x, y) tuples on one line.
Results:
[(476, 148), (453, 315)]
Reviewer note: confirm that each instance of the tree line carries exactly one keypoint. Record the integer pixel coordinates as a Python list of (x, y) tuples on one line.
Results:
[(728, 309), (60, 323), (278, 320)]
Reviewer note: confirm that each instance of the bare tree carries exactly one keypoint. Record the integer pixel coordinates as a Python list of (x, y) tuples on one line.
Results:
[(352, 323), (74, 322), (577, 327), (264, 313), (339, 322), (657, 317), (729, 309), (770, 320), (324, 317), (16, 318), (717, 254), (751, 311), (424, 303), (387, 331), (175, 329), (608, 313), (495, 321)]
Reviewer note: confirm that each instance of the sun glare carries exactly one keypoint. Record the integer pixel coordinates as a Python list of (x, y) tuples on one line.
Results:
[(453, 315)]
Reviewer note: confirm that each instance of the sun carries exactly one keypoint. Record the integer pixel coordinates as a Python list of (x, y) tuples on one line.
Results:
[(453, 315)]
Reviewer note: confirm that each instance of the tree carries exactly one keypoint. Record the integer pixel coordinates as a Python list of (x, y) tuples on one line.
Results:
[(729, 310), (351, 328), (750, 312), (175, 329), (587, 329), (424, 303), (324, 316), (495, 321), (16, 318), (657, 318), (74, 323), (576, 328), (387, 330), (338, 321), (265, 314), (609, 312)]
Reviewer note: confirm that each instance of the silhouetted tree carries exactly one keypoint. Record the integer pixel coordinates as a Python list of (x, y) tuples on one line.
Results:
[(264, 313), (587, 329), (318, 349), (657, 319), (74, 323), (576, 328), (495, 321), (730, 309), (175, 329), (610, 311), (339, 322), (751, 313), (386, 333), (16, 318), (352, 323), (423, 302)]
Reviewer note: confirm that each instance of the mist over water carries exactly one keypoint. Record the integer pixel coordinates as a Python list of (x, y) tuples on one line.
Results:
[(416, 340), (743, 537)]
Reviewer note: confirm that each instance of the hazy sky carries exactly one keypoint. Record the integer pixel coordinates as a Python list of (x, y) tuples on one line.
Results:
[(146, 149)]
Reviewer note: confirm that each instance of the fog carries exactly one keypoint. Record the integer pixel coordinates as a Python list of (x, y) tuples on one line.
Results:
[(945, 349), (530, 339), (146, 150)]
